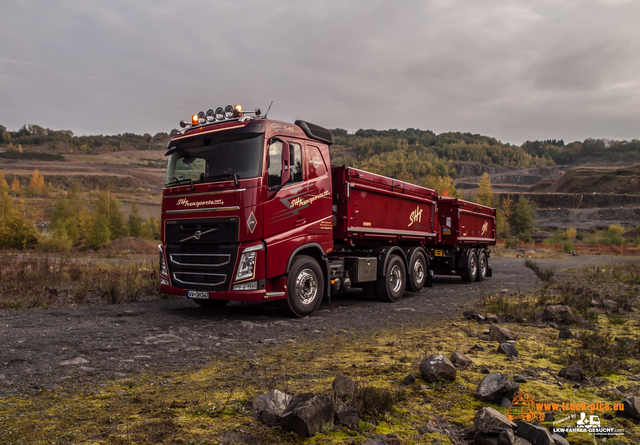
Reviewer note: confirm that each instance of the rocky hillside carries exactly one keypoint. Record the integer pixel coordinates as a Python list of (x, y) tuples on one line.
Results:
[(622, 180)]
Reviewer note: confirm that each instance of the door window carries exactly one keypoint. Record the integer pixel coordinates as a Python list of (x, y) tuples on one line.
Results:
[(316, 167), (274, 169), (295, 156)]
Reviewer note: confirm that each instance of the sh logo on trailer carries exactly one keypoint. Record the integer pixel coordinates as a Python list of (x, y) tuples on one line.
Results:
[(416, 216)]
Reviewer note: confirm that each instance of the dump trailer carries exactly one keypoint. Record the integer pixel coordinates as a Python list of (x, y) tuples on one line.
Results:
[(253, 210)]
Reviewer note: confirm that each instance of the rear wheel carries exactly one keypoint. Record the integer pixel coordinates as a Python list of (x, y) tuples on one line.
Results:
[(469, 274), (417, 273), (305, 286), (391, 286), (483, 265), (212, 304)]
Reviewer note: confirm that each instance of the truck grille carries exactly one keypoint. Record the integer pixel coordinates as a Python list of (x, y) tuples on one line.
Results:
[(200, 260), (201, 279)]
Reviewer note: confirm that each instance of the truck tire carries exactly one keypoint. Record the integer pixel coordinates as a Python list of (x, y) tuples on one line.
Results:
[(483, 265), (305, 286), (390, 287), (417, 276), (212, 304), (469, 273)]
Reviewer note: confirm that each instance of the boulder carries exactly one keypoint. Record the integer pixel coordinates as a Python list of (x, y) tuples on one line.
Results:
[(459, 359), (501, 334), (535, 434), (560, 314), (509, 349), (343, 386), (491, 421), (631, 407), (306, 414), (507, 437), (485, 370), (559, 440), (409, 380), (346, 415), (505, 403), (427, 429), (269, 407), (477, 348), (495, 387), (485, 439), (381, 439), (565, 334), (437, 368), (519, 379), (573, 372), (469, 314)]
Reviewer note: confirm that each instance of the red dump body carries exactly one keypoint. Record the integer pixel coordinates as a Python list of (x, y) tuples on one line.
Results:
[(466, 223), (371, 207)]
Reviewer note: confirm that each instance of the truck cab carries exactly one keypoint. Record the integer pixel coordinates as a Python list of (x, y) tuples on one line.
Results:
[(244, 198)]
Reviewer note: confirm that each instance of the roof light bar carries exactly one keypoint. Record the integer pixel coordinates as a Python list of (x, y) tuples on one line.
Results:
[(219, 114)]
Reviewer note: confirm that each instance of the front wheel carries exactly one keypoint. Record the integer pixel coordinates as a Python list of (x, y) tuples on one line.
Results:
[(471, 271), (391, 286), (305, 287)]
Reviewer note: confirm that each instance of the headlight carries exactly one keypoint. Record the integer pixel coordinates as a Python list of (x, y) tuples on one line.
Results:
[(247, 263), (163, 265)]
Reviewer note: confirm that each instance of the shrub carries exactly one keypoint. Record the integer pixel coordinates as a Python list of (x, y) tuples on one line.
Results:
[(568, 246), (511, 243), (376, 401), (615, 230), (569, 233), (580, 236)]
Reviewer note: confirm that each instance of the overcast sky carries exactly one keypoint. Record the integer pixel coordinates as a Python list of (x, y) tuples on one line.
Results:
[(514, 70)]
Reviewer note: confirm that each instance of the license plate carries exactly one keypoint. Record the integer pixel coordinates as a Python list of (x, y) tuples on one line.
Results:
[(197, 294), (439, 253)]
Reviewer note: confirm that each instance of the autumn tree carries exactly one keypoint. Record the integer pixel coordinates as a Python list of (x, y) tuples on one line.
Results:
[(135, 222), (485, 194), (36, 185), (15, 186), (4, 187)]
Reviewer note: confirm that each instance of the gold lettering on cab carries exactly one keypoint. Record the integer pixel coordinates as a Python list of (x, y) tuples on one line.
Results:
[(416, 216)]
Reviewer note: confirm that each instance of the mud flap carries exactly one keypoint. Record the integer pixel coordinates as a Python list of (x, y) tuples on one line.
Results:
[(429, 280), (489, 271)]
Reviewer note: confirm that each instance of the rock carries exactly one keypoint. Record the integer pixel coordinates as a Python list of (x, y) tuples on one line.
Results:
[(485, 337), (346, 415), (380, 439), (427, 429), (472, 334), (559, 440), (477, 348), (519, 379), (269, 407), (512, 358), (437, 368), (565, 334), (459, 359), (553, 325), (507, 437), (631, 407), (306, 414), (537, 317), (485, 370), (599, 381), (505, 403), (560, 314), (469, 314), (549, 417), (501, 334), (343, 386), (491, 421), (409, 380), (536, 434), (628, 341), (573, 372), (480, 318), (609, 305), (509, 349), (75, 361), (495, 387), (485, 439), (493, 319)]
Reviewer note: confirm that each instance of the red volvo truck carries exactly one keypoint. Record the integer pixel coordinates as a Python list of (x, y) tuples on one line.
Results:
[(253, 210)]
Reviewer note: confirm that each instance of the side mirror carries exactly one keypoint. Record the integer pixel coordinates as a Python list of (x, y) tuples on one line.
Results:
[(286, 157)]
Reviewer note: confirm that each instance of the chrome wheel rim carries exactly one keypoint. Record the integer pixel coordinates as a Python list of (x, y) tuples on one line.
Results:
[(418, 270), (306, 286), (395, 279), (474, 265), (483, 267)]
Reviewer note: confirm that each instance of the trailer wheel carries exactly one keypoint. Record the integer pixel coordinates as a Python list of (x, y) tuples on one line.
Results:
[(305, 286), (417, 273), (483, 265), (212, 304), (470, 272), (391, 286)]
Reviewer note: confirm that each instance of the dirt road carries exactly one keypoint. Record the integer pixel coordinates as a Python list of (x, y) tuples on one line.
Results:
[(42, 348)]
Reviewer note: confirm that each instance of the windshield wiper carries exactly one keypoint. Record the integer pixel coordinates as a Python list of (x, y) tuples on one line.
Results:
[(226, 176), (177, 181)]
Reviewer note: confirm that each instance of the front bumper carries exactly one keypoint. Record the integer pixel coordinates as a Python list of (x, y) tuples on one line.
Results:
[(248, 295)]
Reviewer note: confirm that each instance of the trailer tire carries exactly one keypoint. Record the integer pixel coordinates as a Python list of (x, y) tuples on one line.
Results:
[(470, 272), (483, 265), (305, 287), (390, 287), (417, 275), (212, 304)]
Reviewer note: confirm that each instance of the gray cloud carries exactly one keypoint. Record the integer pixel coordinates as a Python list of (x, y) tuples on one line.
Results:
[(512, 70)]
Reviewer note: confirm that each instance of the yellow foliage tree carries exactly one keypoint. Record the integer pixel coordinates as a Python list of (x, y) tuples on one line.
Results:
[(36, 186), (4, 187), (15, 186), (485, 193)]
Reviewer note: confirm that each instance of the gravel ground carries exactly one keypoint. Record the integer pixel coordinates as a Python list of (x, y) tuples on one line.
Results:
[(42, 348)]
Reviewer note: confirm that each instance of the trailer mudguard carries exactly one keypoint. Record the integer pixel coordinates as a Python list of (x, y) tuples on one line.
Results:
[(383, 255)]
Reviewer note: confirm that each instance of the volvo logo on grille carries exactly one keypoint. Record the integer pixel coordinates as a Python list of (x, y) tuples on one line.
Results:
[(197, 235)]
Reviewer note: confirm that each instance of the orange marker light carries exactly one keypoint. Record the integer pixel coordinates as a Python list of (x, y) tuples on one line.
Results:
[(194, 119), (238, 107)]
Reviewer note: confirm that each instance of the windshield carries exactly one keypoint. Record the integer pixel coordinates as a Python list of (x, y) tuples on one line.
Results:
[(201, 162)]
